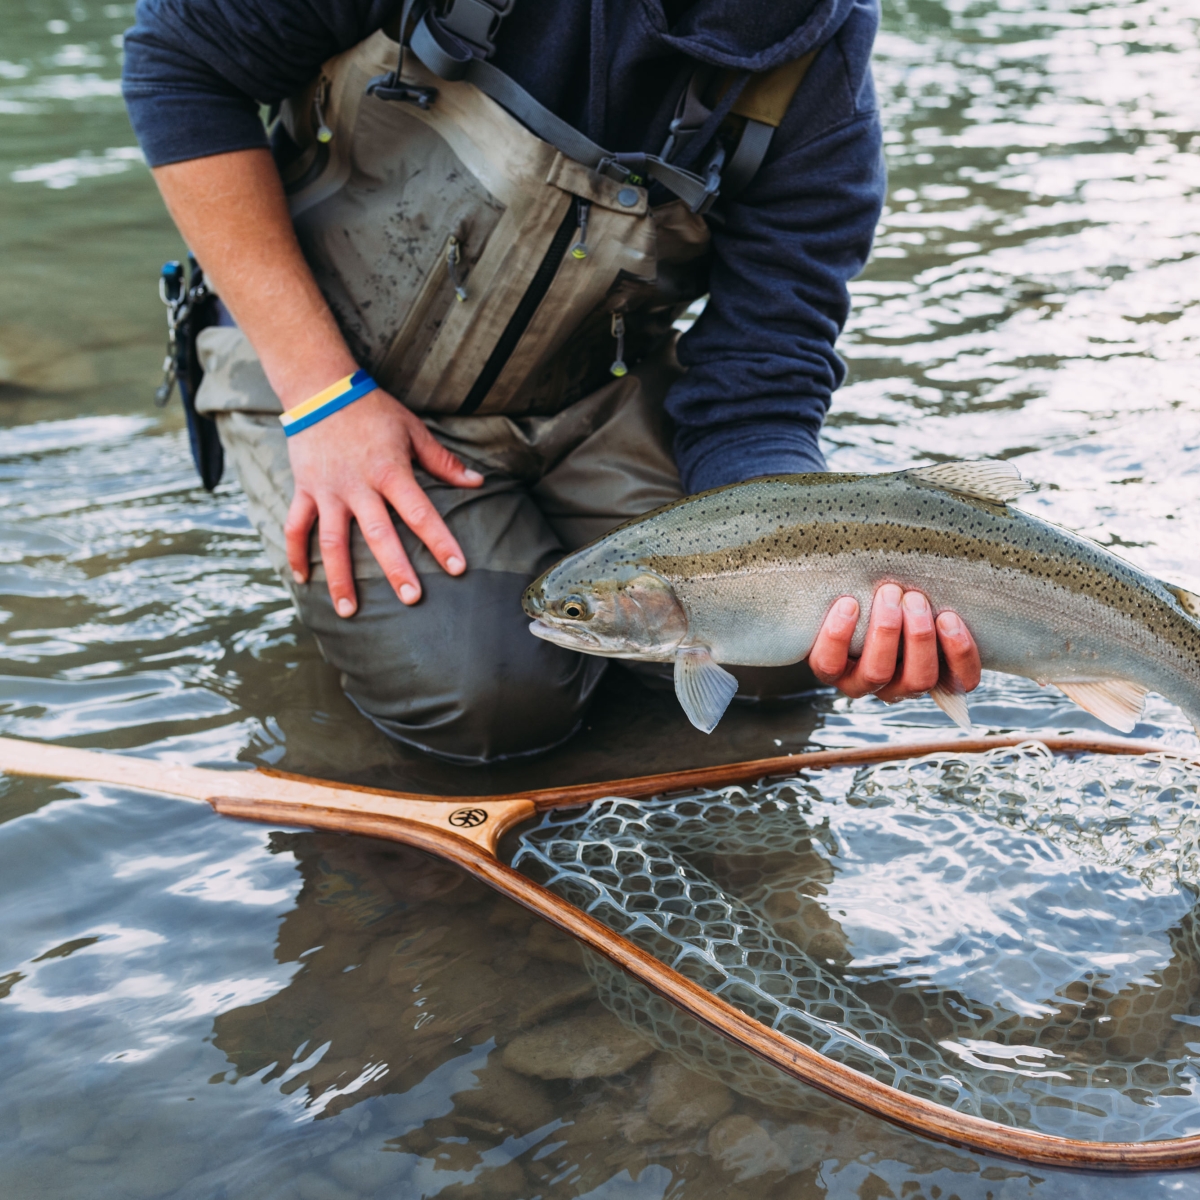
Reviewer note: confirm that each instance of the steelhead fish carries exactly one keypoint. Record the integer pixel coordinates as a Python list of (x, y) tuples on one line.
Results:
[(745, 575)]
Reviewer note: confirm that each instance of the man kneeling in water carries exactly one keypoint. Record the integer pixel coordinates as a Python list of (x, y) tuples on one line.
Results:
[(448, 221)]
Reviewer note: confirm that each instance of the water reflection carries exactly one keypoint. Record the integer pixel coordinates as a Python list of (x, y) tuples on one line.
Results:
[(190, 1007)]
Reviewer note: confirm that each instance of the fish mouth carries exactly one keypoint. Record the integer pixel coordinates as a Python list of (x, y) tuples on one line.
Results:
[(586, 642), (572, 639)]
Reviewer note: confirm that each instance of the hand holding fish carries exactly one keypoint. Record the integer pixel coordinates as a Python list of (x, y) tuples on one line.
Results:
[(899, 657)]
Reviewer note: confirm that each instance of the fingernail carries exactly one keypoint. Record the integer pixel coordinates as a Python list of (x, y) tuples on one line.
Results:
[(297, 577), (949, 624), (455, 565), (409, 594), (472, 476), (847, 606), (345, 608), (916, 603), (889, 596)]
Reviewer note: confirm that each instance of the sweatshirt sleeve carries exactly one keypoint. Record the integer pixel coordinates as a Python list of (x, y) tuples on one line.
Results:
[(761, 365), (196, 71)]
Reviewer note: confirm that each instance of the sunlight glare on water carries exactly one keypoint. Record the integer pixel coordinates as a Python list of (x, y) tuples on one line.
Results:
[(198, 1009)]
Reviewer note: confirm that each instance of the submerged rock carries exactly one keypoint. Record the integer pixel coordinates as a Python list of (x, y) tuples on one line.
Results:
[(680, 1099), (503, 1096), (546, 990), (583, 1047), (741, 1146)]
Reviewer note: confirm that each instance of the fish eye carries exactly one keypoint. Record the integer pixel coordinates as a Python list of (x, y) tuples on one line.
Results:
[(574, 608)]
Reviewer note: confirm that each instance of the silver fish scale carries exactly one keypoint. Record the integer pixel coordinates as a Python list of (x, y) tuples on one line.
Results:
[(678, 878)]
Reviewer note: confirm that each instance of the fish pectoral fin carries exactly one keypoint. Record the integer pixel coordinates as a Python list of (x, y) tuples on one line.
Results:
[(703, 686), (953, 703), (1114, 701), (1188, 601), (988, 479)]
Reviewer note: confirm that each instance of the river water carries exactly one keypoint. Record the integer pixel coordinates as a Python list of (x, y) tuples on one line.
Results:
[(192, 1007)]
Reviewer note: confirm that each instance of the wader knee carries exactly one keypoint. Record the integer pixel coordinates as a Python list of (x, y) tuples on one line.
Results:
[(457, 675)]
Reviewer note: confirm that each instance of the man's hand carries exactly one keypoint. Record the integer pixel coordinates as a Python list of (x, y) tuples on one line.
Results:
[(898, 619), (353, 464)]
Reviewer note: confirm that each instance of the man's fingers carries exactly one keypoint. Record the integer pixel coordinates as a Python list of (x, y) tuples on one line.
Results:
[(831, 651), (384, 542), (296, 532), (439, 462), (877, 665), (333, 536), (921, 667), (417, 512), (895, 614), (959, 652)]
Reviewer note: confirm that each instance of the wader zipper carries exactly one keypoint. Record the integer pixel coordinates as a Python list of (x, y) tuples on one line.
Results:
[(452, 261), (539, 285)]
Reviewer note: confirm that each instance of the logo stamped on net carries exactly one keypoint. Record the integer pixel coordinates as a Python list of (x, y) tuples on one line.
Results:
[(467, 818)]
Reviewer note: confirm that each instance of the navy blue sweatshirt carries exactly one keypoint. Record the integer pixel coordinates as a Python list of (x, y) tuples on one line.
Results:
[(760, 361)]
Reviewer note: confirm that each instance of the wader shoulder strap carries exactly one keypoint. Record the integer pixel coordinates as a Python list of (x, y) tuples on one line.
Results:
[(763, 103), (456, 46)]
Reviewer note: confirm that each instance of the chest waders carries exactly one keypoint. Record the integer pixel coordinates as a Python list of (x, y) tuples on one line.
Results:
[(507, 279)]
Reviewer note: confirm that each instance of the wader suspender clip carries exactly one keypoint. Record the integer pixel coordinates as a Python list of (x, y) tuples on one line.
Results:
[(761, 105)]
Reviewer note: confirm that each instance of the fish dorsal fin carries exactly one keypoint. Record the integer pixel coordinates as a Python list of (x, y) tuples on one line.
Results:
[(953, 703), (1188, 601), (704, 688), (1114, 701), (988, 479)]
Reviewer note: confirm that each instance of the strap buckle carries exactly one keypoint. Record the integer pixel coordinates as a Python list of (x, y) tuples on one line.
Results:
[(476, 22), (391, 87), (624, 168)]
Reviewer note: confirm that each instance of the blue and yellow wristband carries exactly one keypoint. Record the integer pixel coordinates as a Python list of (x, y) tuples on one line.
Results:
[(324, 404)]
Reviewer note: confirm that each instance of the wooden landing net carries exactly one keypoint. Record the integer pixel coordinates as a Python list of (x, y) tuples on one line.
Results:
[(466, 831)]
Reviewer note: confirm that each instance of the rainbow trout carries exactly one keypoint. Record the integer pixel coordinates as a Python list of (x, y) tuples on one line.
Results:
[(744, 575)]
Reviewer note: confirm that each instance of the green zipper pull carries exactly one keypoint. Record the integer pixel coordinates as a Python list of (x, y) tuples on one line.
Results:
[(618, 331), (324, 133), (580, 249), (452, 261)]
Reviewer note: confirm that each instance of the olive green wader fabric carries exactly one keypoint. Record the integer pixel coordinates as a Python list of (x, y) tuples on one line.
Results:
[(458, 674)]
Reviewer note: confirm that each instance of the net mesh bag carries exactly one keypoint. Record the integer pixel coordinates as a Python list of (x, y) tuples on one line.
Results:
[(1010, 934)]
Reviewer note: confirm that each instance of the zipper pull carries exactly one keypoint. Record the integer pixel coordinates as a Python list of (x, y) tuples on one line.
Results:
[(618, 331), (580, 249), (324, 133), (452, 260)]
